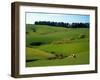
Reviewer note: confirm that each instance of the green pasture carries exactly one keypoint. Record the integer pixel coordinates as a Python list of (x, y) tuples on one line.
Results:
[(59, 46)]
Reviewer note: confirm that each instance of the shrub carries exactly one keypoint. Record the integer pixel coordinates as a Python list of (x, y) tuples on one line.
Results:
[(36, 43), (82, 36), (72, 38), (34, 30), (27, 32)]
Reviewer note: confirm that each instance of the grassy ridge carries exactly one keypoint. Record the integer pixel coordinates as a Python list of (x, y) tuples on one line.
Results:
[(60, 42)]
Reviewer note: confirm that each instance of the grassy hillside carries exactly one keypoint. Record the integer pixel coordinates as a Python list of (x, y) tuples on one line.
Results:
[(51, 46)]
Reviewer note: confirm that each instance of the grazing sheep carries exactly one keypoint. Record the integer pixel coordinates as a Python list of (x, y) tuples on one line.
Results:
[(74, 55)]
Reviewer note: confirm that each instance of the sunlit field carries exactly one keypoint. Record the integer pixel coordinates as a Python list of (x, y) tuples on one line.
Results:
[(55, 46)]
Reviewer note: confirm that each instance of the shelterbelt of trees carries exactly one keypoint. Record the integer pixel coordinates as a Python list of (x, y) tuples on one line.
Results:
[(63, 24)]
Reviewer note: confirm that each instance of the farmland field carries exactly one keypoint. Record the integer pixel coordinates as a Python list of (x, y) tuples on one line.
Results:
[(56, 46)]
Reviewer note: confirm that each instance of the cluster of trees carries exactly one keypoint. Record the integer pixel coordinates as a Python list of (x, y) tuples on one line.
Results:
[(62, 24)]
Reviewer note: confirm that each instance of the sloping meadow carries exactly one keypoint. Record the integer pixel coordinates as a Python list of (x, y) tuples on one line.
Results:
[(55, 46)]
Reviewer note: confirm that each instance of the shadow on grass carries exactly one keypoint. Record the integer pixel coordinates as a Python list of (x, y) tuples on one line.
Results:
[(32, 60), (60, 56)]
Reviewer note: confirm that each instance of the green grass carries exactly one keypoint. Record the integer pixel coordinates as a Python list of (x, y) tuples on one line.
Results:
[(36, 54), (59, 41)]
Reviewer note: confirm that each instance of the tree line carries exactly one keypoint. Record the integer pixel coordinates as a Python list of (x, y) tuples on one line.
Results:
[(63, 24)]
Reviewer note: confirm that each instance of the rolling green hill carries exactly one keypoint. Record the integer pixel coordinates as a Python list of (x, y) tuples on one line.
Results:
[(52, 46)]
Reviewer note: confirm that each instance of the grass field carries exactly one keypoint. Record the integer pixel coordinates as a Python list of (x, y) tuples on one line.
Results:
[(56, 46)]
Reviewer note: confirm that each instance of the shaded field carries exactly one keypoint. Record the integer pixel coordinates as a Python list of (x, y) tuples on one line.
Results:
[(56, 46)]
